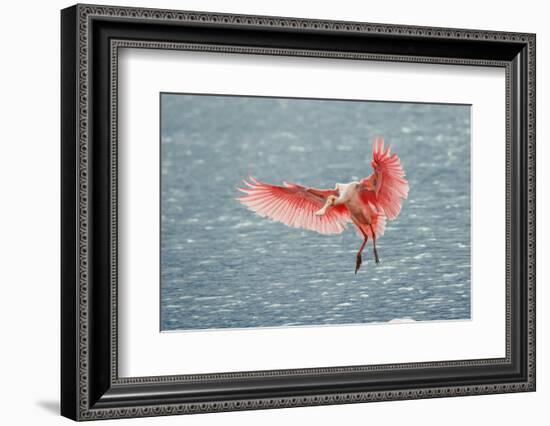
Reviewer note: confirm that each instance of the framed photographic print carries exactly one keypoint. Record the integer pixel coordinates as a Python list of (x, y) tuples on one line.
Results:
[(263, 212)]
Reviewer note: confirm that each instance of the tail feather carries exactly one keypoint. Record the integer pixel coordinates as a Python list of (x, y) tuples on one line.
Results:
[(378, 222)]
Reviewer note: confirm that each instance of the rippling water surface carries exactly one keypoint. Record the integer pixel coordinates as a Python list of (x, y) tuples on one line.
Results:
[(224, 267)]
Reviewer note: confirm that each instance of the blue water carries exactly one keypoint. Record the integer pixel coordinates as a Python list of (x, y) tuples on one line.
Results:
[(224, 267)]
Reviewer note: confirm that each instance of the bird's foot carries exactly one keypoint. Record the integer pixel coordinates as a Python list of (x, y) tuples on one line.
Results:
[(376, 258), (320, 212), (358, 262)]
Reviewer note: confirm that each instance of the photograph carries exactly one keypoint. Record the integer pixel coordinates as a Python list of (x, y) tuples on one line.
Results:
[(285, 212), (274, 208)]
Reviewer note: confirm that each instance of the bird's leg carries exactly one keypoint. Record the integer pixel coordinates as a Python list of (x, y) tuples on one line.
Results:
[(359, 260), (376, 259), (330, 202)]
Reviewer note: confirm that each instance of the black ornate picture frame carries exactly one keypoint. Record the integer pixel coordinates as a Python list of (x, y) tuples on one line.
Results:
[(90, 385)]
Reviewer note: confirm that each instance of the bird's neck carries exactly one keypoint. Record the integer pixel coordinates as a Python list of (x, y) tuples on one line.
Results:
[(345, 191)]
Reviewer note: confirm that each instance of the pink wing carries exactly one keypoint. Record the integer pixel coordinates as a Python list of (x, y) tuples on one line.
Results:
[(294, 205), (391, 186)]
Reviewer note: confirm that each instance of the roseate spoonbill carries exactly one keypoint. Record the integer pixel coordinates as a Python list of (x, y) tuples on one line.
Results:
[(367, 203)]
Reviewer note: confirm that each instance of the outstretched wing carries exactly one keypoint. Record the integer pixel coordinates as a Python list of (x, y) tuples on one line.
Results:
[(388, 179), (294, 205)]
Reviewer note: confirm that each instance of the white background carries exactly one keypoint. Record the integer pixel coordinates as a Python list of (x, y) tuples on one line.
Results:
[(146, 352), (29, 229)]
